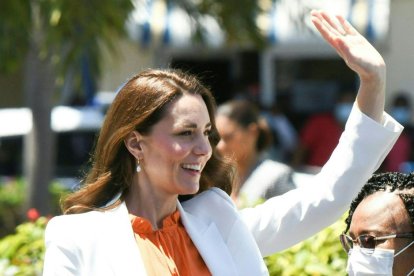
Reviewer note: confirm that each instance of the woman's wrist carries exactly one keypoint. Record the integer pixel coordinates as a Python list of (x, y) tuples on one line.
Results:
[(371, 94)]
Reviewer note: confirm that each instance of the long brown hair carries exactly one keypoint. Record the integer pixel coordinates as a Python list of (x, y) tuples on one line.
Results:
[(140, 104)]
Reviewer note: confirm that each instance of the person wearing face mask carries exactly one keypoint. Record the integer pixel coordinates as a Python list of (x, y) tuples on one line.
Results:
[(401, 155), (401, 108), (343, 107), (320, 135), (379, 234)]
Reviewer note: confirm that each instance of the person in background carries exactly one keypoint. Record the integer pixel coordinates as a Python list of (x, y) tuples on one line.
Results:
[(401, 156), (285, 137), (158, 144), (380, 227), (246, 137), (320, 135)]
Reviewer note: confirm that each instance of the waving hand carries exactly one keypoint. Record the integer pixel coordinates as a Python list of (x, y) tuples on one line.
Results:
[(360, 56)]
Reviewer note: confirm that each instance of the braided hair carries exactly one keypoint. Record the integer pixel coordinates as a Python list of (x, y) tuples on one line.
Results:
[(394, 182)]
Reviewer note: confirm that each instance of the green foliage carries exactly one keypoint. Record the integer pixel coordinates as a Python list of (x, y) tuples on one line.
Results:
[(319, 255), (14, 33), (236, 17), (68, 33), (12, 196), (77, 29), (22, 253), (22, 250)]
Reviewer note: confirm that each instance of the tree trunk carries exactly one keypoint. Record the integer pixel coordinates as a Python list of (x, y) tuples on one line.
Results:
[(39, 143)]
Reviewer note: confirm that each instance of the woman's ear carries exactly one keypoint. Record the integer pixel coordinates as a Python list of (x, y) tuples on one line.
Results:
[(132, 143), (253, 129)]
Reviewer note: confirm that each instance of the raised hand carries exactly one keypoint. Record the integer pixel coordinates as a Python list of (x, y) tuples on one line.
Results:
[(360, 56)]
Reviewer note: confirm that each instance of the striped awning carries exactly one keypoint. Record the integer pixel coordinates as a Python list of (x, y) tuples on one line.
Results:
[(289, 20), (159, 22)]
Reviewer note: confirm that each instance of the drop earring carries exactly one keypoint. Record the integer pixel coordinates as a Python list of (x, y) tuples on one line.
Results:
[(138, 168)]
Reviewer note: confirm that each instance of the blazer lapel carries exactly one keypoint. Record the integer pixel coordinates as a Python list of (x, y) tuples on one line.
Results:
[(209, 242), (124, 257)]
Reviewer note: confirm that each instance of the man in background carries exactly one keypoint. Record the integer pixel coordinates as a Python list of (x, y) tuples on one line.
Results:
[(379, 235)]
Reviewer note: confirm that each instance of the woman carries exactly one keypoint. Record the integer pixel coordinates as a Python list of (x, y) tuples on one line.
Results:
[(158, 142), (258, 177)]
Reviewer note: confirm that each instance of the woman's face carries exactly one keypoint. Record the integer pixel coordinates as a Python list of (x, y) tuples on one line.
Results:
[(177, 148), (236, 141)]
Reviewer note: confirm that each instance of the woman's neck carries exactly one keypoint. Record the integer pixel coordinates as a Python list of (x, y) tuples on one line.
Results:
[(244, 168), (246, 164), (143, 201)]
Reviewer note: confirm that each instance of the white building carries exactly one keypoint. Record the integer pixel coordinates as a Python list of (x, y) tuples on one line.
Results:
[(388, 24)]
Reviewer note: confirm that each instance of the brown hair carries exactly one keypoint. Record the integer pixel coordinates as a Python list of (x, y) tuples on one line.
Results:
[(140, 104)]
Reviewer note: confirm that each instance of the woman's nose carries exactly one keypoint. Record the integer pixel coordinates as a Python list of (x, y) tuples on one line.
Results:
[(203, 146)]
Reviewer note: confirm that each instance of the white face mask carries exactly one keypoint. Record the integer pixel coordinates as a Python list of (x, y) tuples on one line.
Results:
[(363, 261)]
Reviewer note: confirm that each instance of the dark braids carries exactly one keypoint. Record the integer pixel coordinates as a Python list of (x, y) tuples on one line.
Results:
[(397, 183)]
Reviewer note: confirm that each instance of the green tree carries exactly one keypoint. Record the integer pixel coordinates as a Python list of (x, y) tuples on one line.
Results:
[(51, 37), (46, 37)]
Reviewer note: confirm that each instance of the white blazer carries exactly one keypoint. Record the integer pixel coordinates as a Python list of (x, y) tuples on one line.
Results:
[(231, 242)]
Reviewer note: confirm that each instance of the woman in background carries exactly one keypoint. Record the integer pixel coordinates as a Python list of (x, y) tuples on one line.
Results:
[(246, 138)]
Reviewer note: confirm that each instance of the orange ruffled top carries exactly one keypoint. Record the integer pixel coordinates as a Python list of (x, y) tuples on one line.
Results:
[(169, 250)]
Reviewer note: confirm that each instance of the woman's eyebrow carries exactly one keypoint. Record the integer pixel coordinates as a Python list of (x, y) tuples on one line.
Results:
[(194, 125)]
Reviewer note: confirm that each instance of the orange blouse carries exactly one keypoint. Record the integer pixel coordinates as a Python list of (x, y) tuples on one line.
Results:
[(169, 250)]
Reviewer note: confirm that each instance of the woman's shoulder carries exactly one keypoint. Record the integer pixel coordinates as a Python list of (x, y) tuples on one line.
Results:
[(63, 226), (214, 194), (209, 201), (75, 218)]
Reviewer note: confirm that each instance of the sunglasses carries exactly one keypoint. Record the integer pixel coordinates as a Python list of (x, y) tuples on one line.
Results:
[(369, 241)]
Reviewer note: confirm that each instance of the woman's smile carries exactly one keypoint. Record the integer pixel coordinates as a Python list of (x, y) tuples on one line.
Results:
[(178, 147)]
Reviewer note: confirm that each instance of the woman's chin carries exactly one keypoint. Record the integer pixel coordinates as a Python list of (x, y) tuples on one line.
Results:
[(191, 190)]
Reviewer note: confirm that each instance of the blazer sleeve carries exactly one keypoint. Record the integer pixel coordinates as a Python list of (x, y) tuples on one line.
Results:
[(285, 220)]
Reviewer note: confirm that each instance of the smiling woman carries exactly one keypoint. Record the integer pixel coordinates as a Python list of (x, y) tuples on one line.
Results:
[(179, 145), (161, 120), (158, 142)]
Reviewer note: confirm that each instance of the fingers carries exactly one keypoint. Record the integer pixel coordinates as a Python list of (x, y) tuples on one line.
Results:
[(346, 25), (323, 28), (333, 22), (337, 25), (329, 29)]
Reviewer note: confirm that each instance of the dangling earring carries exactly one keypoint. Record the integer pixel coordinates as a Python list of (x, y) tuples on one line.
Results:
[(138, 169)]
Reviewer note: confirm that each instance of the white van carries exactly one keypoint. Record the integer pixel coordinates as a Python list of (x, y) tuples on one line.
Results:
[(75, 127)]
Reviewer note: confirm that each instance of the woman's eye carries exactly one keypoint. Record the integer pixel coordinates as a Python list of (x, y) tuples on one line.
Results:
[(190, 133), (186, 133)]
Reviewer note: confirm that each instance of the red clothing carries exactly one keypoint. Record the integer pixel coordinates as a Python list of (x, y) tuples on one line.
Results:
[(169, 250), (399, 154), (319, 137)]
